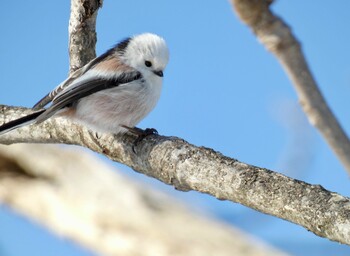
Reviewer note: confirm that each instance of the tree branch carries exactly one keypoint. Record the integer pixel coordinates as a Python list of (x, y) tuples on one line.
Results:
[(187, 167), (82, 33), (80, 198), (277, 37)]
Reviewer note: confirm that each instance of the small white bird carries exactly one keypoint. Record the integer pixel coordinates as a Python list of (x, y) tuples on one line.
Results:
[(113, 92)]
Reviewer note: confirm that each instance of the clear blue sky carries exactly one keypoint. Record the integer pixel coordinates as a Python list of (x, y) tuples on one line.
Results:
[(222, 89)]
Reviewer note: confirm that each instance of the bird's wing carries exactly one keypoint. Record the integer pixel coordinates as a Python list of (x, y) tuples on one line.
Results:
[(85, 87), (51, 95), (70, 80)]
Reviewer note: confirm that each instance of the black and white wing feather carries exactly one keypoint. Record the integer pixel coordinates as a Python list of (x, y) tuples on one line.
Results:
[(78, 73), (80, 89), (51, 95)]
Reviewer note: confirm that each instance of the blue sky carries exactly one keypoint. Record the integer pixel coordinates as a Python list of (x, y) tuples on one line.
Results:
[(222, 90)]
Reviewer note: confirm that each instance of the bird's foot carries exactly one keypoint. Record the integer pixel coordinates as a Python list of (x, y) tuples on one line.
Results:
[(141, 134)]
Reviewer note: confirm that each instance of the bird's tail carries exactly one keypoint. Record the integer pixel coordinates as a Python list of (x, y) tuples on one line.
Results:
[(25, 120)]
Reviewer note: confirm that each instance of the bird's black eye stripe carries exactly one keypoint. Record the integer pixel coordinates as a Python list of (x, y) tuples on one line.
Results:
[(148, 63)]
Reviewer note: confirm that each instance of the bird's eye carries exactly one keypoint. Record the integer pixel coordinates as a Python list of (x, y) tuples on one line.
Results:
[(148, 63)]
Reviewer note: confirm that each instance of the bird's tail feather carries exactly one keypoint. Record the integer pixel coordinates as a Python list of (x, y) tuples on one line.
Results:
[(25, 120)]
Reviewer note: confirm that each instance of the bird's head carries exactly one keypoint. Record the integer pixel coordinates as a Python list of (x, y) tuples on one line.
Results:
[(147, 53)]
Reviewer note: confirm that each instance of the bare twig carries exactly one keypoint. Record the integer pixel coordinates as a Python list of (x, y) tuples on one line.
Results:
[(278, 38), (82, 32), (187, 167)]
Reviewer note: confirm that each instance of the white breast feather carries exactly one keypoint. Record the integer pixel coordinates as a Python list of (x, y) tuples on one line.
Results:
[(126, 105)]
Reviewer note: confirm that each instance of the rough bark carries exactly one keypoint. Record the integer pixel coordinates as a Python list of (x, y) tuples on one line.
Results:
[(278, 38), (187, 167), (82, 33), (78, 197)]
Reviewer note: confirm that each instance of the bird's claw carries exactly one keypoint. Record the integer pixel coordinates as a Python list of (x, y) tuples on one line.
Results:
[(141, 134)]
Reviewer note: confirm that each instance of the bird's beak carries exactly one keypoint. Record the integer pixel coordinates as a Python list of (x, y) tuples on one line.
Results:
[(158, 73)]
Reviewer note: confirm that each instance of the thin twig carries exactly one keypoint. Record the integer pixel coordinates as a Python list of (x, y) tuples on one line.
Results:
[(278, 39)]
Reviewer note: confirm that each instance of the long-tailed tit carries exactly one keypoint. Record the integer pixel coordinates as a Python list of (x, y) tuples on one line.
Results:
[(111, 93)]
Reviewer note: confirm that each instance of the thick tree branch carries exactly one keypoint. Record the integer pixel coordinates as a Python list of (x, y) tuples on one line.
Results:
[(78, 197), (187, 167), (278, 38)]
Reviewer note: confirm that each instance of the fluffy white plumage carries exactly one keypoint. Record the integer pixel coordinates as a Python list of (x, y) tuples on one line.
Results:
[(118, 88), (127, 104)]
